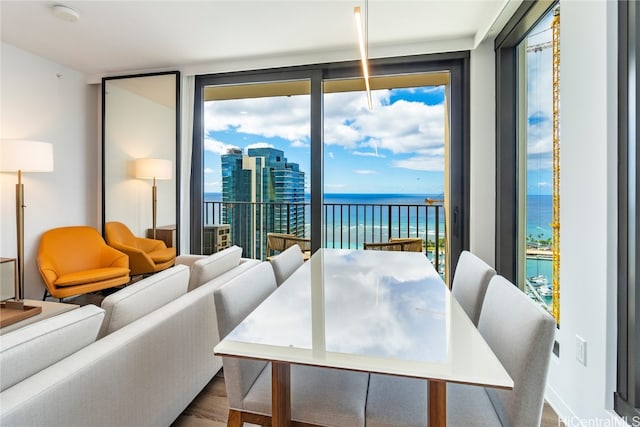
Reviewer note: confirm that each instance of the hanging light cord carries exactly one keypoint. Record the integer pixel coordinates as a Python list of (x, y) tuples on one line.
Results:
[(364, 47)]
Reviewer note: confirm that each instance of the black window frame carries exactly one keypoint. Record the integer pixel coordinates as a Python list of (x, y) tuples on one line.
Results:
[(627, 394), (456, 63)]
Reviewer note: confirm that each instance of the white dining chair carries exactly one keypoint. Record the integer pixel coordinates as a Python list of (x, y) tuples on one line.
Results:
[(521, 335), (319, 396), (470, 283), (286, 262)]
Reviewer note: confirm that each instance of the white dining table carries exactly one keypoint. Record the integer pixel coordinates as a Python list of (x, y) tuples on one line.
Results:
[(369, 311)]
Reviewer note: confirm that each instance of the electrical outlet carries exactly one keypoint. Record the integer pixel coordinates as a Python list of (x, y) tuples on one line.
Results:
[(581, 350)]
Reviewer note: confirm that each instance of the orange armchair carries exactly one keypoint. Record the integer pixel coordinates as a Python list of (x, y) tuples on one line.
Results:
[(76, 260), (145, 255)]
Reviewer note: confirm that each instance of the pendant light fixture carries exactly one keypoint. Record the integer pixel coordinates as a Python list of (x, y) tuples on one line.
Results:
[(364, 46)]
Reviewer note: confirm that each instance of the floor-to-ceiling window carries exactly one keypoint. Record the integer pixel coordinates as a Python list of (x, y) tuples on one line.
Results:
[(528, 152), (307, 147)]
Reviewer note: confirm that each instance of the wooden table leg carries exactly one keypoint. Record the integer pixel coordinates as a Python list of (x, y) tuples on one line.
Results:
[(280, 394), (437, 403)]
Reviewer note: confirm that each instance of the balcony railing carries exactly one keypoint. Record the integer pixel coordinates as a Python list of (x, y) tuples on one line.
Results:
[(347, 226)]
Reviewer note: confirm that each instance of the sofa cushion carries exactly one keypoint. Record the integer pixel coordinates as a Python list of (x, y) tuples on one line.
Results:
[(30, 349), (214, 265), (143, 297)]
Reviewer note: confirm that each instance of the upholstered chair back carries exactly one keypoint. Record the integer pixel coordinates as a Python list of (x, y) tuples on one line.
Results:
[(234, 301), (118, 232), (470, 283), (521, 335), (286, 262)]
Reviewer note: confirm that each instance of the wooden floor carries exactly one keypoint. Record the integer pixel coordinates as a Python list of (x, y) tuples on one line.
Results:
[(209, 408)]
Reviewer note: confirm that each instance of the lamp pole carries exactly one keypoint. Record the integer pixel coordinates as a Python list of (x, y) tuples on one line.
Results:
[(154, 205), (20, 231)]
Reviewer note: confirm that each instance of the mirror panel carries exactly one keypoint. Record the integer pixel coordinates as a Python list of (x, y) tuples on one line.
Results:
[(140, 120)]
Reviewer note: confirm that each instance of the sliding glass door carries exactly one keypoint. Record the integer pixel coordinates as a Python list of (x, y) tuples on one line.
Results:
[(265, 153), (387, 182)]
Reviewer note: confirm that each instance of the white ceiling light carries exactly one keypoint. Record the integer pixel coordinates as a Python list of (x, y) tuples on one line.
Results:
[(65, 13), (363, 53)]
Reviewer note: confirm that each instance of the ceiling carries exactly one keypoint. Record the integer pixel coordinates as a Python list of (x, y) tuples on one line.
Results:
[(116, 37)]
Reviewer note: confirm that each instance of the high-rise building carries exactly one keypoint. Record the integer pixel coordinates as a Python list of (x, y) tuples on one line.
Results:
[(261, 193)]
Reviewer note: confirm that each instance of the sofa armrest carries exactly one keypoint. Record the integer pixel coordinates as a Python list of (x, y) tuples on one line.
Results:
[(188, 260)]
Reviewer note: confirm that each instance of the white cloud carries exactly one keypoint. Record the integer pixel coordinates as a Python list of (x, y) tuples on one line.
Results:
[(208, 170), (368, 154), (259, 145), (213, 187), (365, 172), (298, 143), (217, 147), (286, 117), (401, 127), (421, 163)]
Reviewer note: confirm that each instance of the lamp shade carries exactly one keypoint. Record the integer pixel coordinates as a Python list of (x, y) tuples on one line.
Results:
[(153, 168), (25, 156)]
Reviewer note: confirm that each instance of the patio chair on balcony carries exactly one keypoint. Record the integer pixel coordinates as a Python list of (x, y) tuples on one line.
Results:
[(409, 244), (397, 244), (387, 246), (279, 242)]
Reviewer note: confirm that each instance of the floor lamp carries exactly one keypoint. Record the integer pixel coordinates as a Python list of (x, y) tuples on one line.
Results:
[(23, 156), (153, 169)]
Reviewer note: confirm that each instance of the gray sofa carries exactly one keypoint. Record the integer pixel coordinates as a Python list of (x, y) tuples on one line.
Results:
[(138, 360)]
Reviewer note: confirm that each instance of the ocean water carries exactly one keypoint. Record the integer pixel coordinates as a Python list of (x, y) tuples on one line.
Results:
[(355, 218), (539, 209), (539, 215)]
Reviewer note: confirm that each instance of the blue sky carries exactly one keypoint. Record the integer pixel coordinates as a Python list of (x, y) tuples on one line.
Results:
[(539, 110), (396, 148)]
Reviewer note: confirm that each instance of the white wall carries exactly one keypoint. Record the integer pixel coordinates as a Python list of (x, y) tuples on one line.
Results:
[(46, 101), (588, 211), (482, 152)]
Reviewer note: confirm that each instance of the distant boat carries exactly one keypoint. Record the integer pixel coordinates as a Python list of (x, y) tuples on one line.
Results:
[(539, 280), (545, 290)]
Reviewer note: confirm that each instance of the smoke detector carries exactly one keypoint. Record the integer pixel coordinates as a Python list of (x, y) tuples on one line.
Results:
[(65, 13)]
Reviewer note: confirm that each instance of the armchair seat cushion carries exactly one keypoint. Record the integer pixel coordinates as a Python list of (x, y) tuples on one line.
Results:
[(91, 276), (163, 255)]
